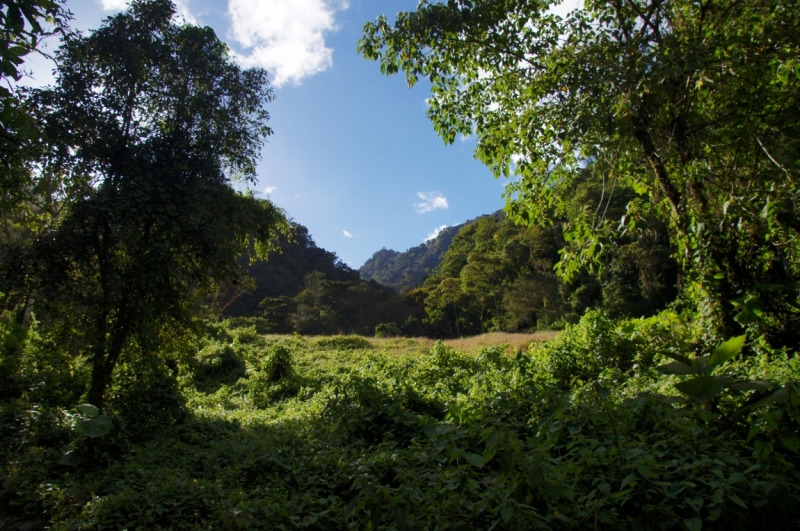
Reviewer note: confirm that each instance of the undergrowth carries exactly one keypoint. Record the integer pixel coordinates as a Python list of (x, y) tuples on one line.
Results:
[(239, 431)]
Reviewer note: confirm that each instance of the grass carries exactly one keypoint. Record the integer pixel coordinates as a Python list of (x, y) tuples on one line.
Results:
[(512, 343)]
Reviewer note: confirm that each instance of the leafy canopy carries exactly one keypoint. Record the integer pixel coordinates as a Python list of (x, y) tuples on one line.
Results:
[(148, 125), (693, 104)]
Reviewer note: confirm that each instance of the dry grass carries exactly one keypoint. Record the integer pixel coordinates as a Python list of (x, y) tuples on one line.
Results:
[(468, 345)]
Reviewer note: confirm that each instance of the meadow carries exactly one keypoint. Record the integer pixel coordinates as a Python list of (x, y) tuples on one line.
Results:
[(576, 430)]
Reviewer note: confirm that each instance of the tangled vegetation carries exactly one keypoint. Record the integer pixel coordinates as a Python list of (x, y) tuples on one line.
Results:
[(242, 431)]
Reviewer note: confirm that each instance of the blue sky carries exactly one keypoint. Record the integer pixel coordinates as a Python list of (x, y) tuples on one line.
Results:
[(353, 157)]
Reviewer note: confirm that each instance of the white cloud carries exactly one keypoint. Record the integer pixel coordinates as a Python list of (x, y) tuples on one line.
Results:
[(181, 9), (114, 5), (269, 189), (285, 37), (435, 232), (431, 201), (347, 234)]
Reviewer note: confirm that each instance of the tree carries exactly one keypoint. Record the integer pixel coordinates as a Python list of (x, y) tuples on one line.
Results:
[(692, 104), (149, 123), (24, 200)]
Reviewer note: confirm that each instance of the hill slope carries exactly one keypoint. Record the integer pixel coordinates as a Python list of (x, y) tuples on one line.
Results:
[(405, 271)]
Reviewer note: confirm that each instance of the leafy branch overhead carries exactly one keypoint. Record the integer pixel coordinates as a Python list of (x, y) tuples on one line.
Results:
[(692, 105)]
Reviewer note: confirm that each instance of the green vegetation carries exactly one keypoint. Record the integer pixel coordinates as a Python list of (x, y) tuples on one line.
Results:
[(692, 105), (308, 290), (654, 143), (238, 431), (497, 275)]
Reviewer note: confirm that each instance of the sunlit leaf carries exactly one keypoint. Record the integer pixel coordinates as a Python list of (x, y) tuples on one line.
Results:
[(727, 350)]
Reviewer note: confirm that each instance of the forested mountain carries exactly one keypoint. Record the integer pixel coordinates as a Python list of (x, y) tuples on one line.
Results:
[(304, 288), (405, 271)]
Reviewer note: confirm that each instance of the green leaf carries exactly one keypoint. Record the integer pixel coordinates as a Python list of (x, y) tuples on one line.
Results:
[(791, 441), (69, 459), (751, 385), (474, 459), (737, 500), (88, 410), (727, 350), (676, 367), (507, 512), (603, 393), (95, 427), (778, 395), (444, 429), (693, 524), (678, 357), (700, 387)]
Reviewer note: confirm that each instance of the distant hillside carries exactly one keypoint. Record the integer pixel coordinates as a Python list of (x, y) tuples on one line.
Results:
[(306, 289), (405, 271)]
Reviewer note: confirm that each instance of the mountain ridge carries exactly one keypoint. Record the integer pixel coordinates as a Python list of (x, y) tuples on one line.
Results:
[(406, 270)]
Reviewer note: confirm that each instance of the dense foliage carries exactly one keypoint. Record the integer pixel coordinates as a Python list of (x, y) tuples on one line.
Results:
[(141, 136), (691, 104), (497, 275), (247, 432)]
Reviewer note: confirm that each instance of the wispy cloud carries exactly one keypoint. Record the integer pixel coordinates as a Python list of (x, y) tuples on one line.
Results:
[(181, 8), (269, 189), (286, 38), (347, 234), (431, 201), (435, 232)]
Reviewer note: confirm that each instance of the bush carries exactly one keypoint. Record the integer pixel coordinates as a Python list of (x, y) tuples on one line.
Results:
[(598, 343), (215, 365), (388, 330), (278, 364), (148, 406)]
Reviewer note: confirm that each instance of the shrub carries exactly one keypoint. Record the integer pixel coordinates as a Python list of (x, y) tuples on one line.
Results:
[(278, 364), (388, 330), (215, 365)]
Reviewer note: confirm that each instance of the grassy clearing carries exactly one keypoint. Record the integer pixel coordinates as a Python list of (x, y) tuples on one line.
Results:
[(510, 343)]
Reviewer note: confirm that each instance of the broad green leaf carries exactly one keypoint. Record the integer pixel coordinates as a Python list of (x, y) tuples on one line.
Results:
[(727, 350), (751, 385), (737, 500), (778, 395), (678, 357), (88, 410), (693, 524), (474, 459), (676, 367), (701, 386), (791, 441), (97, 427), (507, 512)]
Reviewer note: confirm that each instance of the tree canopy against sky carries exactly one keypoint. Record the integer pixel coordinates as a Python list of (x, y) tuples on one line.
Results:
[(351, 150), (692, 104), (148, 126)]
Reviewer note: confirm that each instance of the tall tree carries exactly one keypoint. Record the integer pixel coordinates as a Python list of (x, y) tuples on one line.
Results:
[(692, 104), (151, 122)]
